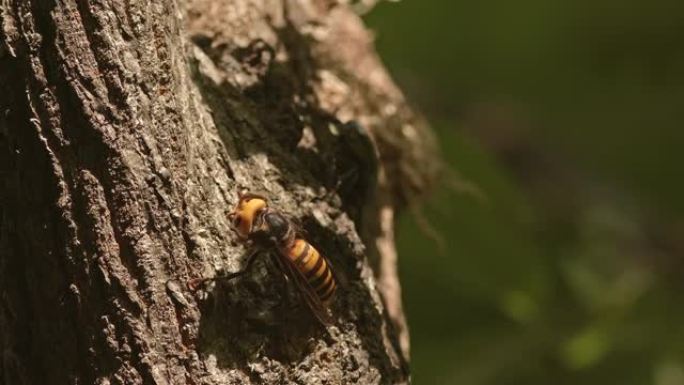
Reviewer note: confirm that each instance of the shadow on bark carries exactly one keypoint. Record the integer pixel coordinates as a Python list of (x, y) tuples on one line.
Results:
[(243, 319), (279, 122)]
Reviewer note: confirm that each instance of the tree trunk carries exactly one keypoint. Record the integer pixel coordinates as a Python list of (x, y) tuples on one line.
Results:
[(126, 130)]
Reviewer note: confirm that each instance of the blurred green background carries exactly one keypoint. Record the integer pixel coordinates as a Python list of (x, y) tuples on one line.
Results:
[(567, 263)]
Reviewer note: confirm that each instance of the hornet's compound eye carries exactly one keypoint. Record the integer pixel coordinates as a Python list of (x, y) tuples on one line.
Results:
[(234, 219), (237, 221)]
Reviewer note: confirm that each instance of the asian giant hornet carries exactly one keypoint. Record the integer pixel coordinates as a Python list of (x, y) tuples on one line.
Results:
[(266, 229)]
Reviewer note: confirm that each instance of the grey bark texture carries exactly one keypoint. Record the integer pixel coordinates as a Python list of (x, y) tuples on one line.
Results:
[(126, 130)]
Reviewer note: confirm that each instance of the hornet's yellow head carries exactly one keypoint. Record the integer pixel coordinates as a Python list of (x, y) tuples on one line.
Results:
[(248, 208)]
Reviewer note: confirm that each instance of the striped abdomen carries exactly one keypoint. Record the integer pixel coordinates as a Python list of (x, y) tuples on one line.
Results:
[(314, 268)]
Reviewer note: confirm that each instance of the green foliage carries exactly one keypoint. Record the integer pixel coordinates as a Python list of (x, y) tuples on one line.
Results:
[(564, 264)]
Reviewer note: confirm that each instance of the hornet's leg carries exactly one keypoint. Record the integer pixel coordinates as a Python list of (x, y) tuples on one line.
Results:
[(195, 284)]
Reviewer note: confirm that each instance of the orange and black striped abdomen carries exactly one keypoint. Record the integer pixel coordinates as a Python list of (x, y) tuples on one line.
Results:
[(314, 268)]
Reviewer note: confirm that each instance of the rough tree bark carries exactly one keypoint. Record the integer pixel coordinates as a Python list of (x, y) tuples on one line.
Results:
[(126, 129)]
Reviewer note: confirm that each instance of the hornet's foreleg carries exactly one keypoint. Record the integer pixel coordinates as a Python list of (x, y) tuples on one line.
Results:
[(196, 283)]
